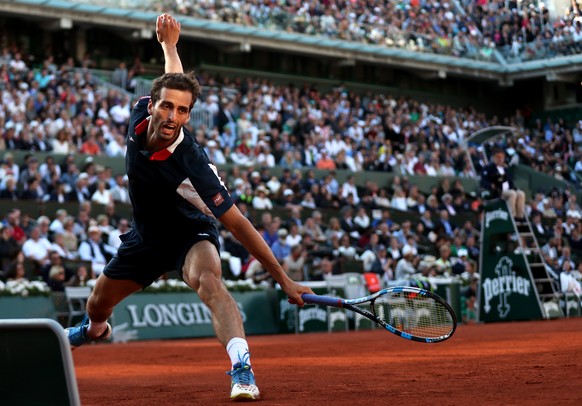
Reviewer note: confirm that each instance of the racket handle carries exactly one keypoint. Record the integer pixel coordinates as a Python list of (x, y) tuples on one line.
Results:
[(321, 300)]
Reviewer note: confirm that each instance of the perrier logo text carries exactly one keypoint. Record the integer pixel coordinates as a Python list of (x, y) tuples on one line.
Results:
[(498, 214), (505, 284)]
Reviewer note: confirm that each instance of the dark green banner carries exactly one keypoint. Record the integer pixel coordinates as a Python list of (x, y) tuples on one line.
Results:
[(18, 307), (506, 288)]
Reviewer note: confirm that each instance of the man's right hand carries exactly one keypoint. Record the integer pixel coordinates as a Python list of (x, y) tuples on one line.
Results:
[(167, 30), (294, 291)]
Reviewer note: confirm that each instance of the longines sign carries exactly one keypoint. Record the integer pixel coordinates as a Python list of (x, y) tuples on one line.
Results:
[(172, 314), (181, 315)]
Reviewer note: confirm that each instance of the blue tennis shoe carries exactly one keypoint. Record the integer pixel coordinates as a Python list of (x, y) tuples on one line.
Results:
[(78, 335), (243, 386)]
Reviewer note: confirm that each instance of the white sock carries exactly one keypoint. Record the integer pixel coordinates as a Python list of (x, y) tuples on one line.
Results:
[(236, 349), (97, 327)]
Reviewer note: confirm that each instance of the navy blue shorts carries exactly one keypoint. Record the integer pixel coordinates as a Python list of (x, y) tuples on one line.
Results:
[(145, 262)]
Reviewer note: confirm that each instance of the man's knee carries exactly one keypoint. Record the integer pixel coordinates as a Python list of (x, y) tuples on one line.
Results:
[(207, 280), (509, 194)]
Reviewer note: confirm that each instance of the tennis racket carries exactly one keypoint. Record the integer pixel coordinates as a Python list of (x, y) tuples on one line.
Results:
[(412, 313)]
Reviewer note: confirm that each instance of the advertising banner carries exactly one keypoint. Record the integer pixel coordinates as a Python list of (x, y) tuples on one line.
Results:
[(506, 290), (181, 315)]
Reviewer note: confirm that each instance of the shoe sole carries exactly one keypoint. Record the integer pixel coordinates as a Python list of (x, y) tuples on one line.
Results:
[(245, 395)]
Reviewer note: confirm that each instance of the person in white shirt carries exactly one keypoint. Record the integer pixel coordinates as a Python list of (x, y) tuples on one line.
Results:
[(349, 187), (120, 112), (214, 153), (361, 219), (95, 250), (261, 201), (265, 158), (406, 266), (399, 200), (116, 146), (57, 225), (119, 192), (122, 228), (568, 283), (102, 195), (36, 248), (293, 238), (12, 168)]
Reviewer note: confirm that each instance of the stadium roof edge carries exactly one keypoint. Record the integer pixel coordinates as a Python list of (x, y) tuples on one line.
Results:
[(334, 48)]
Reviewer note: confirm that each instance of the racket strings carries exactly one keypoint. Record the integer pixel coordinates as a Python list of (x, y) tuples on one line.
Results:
[(414, 314)]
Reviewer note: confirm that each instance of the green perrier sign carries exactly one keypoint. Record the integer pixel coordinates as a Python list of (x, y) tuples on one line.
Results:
[(506, 290)]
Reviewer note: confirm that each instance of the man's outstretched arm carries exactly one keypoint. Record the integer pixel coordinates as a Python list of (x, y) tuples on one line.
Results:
[(247, 234), (168, 33)]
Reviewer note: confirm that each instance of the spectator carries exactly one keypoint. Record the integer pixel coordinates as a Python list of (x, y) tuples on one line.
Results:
[(214, 153), (444, 226), (10, 249), (281, 248), (37, 248), (54, 260), (57, 225), (443, 262), (9, 190), (80, 192), (469, 295), (293, 238), (257, 273), (119, 192), (16, 272), (82, 275), (323, 269), (113, 239), (313, 229), (261, 200), (93, 249), (325, 162), (294, 263), (102, 195), (406, 266), (383, 265), (497, 179), (57, 278), (349, 189), (58, 245), (568, 283)]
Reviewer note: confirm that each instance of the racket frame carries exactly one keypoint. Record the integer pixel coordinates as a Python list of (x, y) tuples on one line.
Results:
[(350, 304)]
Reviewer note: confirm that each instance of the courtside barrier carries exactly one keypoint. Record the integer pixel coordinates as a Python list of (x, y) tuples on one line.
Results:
[(36, 367)]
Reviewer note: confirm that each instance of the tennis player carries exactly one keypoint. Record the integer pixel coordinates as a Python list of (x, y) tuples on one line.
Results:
[(177, 195)]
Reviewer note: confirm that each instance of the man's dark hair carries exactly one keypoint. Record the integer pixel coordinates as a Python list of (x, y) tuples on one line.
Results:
[(176, 81)]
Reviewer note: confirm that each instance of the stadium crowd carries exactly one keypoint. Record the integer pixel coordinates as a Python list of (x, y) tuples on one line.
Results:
[(258, 125), (469, 28)]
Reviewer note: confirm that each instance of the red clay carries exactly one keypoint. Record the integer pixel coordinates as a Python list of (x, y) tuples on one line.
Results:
[(520, 363)]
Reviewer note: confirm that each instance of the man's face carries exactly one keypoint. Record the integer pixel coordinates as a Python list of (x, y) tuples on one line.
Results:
[(170, 113), (499, 159)]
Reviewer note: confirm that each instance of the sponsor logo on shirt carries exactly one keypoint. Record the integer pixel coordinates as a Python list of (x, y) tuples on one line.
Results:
[(217, 199)]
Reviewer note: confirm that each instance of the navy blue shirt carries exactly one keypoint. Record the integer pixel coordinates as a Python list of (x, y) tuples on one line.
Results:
[(175, 192)]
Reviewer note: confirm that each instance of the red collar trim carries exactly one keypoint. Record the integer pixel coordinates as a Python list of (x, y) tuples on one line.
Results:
[(141, 127), (160, 155)]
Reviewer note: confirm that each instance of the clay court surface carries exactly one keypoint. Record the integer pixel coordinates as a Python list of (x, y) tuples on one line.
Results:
[(518, 363)]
